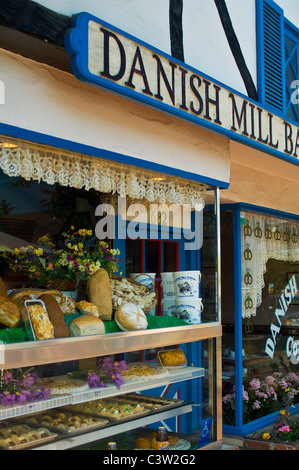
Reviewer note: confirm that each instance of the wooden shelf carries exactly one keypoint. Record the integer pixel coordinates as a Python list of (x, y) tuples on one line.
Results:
[(33, 353)]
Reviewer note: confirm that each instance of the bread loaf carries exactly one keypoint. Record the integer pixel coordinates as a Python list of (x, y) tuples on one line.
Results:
[(130, 317), (86, 325), (10, 314), (99, 293), (18, 294), (55, 315)]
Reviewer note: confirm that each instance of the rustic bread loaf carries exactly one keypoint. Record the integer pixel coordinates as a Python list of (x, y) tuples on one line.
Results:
[(99, 293)]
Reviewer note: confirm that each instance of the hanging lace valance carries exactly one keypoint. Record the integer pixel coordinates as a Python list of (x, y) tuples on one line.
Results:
[(33, 162), (263, 238)]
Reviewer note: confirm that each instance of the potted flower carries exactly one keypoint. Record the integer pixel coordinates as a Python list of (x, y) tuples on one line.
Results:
[(70, 266)]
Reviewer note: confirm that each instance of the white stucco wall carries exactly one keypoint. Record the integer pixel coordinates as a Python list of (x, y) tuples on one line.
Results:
[(205, 44), (291, 10), (45, 100)]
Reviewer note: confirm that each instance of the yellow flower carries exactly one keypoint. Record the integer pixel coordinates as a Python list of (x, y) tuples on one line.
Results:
[(266, 436)]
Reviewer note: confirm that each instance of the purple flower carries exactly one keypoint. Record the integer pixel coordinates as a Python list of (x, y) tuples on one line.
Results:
[(28, 380), (270, 379), (7, 377), (7, 399), (256, 405), (94, 380), (255, 384)]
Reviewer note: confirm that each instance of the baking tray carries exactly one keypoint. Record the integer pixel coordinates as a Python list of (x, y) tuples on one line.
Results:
[(32, 443), (100, 423), (162, 403), (95, 413), (27, 319)]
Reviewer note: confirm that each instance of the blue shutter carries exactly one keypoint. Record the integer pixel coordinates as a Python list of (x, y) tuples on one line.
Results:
[(270, 50)]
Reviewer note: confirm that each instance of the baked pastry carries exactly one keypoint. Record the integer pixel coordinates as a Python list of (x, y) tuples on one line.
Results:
[(130, 317), (99, 293), (66, 303), (41, 324), (10, 314), (172, 358), (87, 308), (86, 325), (55, 315)]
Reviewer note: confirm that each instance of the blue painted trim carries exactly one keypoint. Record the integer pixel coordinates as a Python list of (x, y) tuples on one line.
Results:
[(57, 142), (260, 51), (241, 429), (257, 424), (238, 317), (261, 56), (263, 210), (75, 41), (266, 211)]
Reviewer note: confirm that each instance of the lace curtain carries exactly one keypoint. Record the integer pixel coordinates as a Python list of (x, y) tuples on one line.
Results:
[(52, 166), (262, 238)]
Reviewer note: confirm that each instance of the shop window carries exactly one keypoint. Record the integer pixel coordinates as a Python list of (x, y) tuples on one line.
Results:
[(278, 68), (262, 357)]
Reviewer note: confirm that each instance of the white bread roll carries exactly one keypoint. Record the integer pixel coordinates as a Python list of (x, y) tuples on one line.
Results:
[(86, 325), (130, 317)]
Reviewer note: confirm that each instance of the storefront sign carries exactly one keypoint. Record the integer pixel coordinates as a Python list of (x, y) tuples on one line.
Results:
[(107, 57), (285, 299)]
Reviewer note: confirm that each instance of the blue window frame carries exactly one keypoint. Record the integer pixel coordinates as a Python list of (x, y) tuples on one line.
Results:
[(291, 38), (278, 59)]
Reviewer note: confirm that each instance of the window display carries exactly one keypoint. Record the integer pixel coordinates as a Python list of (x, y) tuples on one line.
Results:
[(91, 313), (267, 324)]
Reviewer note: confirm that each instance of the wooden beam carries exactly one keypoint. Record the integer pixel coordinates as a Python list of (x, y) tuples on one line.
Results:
[(32, 18)]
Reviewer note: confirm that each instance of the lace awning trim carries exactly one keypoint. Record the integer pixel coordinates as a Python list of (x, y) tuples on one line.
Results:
[(51, 165), (263, 238)]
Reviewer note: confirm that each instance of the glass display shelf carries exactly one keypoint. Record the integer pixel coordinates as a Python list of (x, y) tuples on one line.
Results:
[(174, 376), (30, 353), (68, 442)]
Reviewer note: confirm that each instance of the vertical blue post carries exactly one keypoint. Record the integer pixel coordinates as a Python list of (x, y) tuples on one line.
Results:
[(238, 317)]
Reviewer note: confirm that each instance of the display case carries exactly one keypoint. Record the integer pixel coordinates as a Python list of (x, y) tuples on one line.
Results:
[(192, 246), (41, 353)]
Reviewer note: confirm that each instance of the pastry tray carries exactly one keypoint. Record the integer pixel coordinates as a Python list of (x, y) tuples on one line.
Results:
[(150, 401), (32, 443), (110, 418), (55, 428), (27, 318)]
